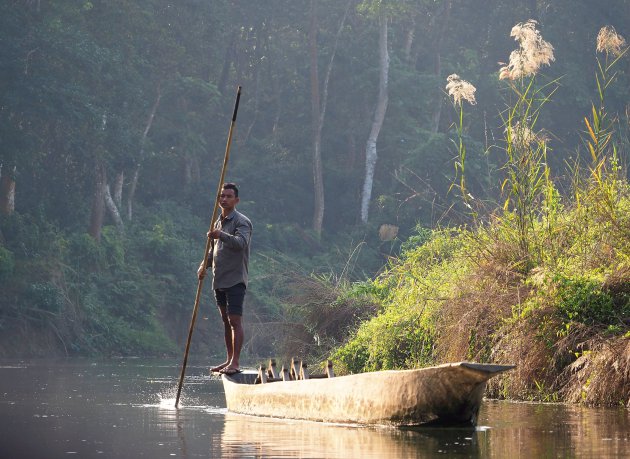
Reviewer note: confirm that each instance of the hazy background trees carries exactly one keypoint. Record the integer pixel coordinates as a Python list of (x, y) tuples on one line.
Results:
[(113, 118)]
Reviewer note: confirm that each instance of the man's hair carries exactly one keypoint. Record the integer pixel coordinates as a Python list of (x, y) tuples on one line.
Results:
[(231, 186)]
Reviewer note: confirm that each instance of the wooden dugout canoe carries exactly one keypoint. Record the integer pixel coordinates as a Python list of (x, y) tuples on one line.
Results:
[(448, 395)]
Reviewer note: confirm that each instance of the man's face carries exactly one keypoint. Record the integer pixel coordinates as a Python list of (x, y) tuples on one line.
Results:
[(228, 200)]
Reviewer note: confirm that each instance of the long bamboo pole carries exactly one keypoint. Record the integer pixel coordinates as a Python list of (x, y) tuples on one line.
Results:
[(208, 245)]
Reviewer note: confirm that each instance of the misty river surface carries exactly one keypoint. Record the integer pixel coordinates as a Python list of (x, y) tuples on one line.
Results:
[(124, 409)]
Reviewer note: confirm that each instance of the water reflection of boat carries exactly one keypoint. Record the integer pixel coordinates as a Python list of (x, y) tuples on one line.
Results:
[(449, 394), (246, 436)]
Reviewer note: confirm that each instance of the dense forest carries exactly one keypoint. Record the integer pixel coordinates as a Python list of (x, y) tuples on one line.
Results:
[(417, 194)]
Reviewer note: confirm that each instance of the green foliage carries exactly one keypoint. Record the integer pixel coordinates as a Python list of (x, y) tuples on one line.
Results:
[(43, 296), (420, 236), (404, 333), (29, 235), (584, 300), (85, 254), (397, 338), (110, 333), (120, 297), (352, 357), (98, 298), (368, 288), (7, 264)]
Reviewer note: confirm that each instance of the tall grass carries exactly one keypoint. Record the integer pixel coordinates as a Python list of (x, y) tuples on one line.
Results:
[(460, 91), (527, 186), (605, 171)]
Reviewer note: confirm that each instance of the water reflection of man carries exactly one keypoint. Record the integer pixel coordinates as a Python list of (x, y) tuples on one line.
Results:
[(229, 259)]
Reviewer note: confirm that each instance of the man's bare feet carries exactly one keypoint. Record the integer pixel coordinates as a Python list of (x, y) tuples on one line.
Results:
[(218, 368), (230, 370)]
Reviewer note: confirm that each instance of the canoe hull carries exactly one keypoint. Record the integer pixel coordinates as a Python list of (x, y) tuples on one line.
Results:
[(449, 394)]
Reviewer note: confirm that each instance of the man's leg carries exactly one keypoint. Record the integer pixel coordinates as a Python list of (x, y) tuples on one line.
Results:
[(236, 331), (235, 298), (227, 331)]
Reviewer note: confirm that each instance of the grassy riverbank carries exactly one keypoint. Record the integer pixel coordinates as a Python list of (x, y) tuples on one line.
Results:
[(562, 315)]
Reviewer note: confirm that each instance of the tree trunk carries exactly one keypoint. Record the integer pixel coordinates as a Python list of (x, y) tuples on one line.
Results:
[(113, 210), (143, 139), (318, 112), (261, 31), (118, 188), (98, 201), (351, 156), (187, 169), (377, 123), (277, 92), (409, 41), (437, 113), (132, 191), (195, 172), (227, 62), (318, 179), (7, 191)]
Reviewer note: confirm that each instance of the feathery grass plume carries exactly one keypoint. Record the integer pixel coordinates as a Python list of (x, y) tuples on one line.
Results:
[(460, 89), (522, 135), (533, 52), (527, 184), (609, 41)]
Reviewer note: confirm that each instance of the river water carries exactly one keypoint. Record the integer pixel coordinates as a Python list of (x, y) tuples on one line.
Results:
[(125, 409)]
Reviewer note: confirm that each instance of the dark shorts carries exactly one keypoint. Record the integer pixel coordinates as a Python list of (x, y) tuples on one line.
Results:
[(231, 298)]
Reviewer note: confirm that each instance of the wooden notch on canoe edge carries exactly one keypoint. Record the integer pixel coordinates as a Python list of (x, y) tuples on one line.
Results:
[(271, 371), (303, 370), (294, 370), (329, 372), (264, 374), (297, 371)]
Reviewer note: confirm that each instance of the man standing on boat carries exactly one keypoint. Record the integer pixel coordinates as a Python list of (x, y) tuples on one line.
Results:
[(229, 258)]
